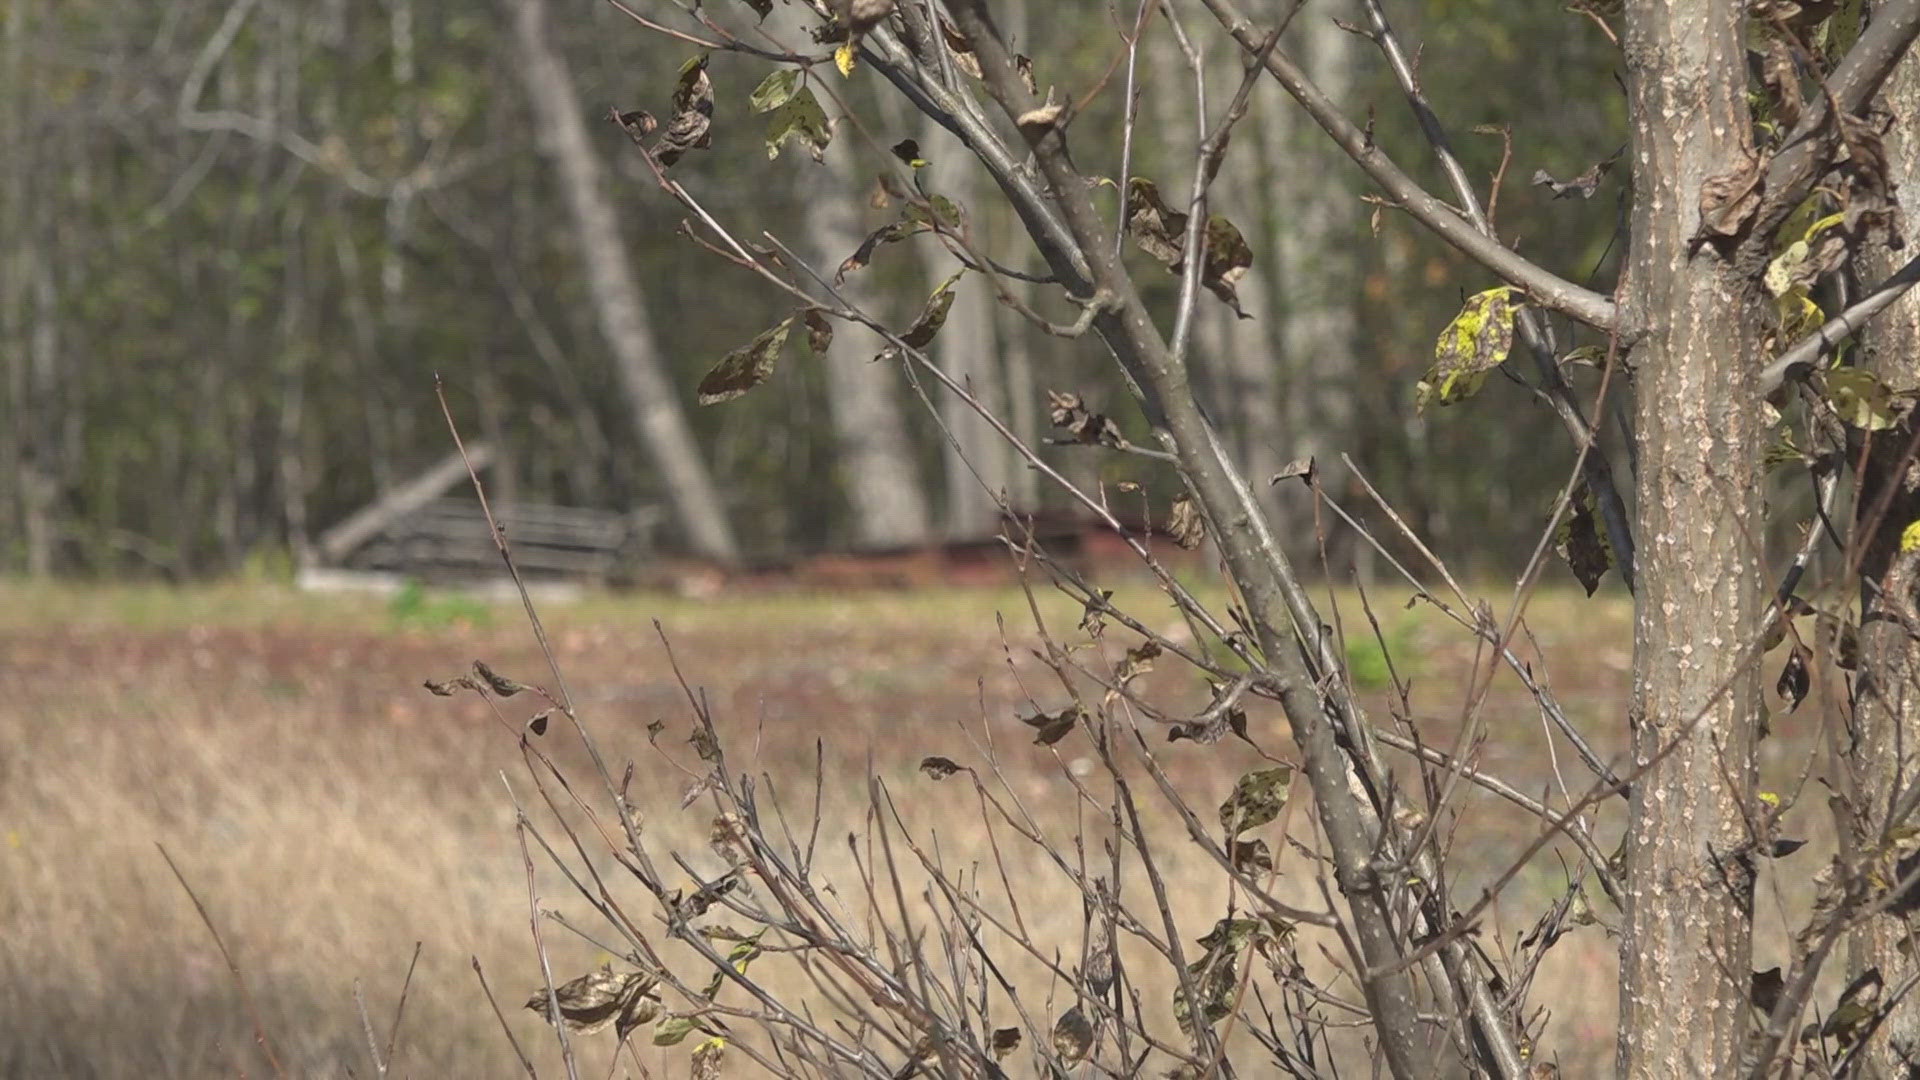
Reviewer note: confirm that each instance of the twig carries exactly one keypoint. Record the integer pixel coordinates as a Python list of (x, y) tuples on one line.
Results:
[(1442, 220), (366, 1027), (400, 1007), (525, 1062), (554, 1016), (233, 967)]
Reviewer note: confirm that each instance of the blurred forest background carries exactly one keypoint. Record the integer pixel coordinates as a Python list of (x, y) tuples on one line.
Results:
[(242, 237)]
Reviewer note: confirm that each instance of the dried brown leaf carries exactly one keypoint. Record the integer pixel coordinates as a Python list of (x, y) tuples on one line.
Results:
[(819, 331), (1156, 228), (1050, 728), (1186, 524), (1073, 1036), (598, 998), (939, 768), (499, 684), (1729, 199), (1066, 411), (692, 125)]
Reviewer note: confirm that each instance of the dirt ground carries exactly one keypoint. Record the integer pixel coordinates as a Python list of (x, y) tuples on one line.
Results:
[(330, 813)]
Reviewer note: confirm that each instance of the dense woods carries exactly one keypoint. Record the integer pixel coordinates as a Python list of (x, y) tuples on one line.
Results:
[(244, 237)]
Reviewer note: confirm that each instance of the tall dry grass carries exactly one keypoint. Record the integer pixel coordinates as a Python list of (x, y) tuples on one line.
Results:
[(331, 814)]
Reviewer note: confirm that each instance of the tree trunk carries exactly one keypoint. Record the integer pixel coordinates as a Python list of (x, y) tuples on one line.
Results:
[(1016, 341), (649, 387), (1685, 944), (1279, 384), (877, 468), (13, 221), (41, 475), (1312, 223), (977, 469), (1887, 686)]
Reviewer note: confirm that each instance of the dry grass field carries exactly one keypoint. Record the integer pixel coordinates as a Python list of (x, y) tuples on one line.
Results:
[(330, 813)]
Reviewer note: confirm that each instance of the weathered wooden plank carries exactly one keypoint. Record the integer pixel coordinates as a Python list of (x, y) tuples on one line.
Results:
[(370, 521)]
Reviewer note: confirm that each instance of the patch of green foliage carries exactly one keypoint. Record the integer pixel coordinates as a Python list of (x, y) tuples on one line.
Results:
[(414, 606), (1367, 658)]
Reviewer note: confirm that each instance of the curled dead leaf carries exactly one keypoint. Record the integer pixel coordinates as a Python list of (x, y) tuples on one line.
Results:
[(1185, 523)]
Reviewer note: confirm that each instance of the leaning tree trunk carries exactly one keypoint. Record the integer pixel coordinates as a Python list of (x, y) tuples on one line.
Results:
[(1887, 685), (651, 394), (1685, 945)]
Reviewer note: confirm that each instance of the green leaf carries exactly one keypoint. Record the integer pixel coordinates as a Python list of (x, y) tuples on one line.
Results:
[(673, 1030), (944, 212), (1474, 343), (1808, 258), (745, 952), (745, 368), (775, 90), (1799, 315), (1859, 398), (1256, 800), (800, 119)]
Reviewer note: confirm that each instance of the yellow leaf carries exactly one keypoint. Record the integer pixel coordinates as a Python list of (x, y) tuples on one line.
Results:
[(1910, 538), (1473, 344), (1799, 315)]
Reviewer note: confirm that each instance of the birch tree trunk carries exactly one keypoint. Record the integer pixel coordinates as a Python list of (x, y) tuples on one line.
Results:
[(1887, 685), (14, 175), (1685, 943), (1312, 225), (652, 397), (876, 460), (1279, 384), (976, 472)]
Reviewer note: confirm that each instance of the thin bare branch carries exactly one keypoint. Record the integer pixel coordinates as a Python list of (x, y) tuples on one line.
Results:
[(1449, 224)]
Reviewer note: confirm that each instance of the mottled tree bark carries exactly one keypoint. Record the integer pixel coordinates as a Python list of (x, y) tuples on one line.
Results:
[(1887, 685), (1685, 943), (652, 396)]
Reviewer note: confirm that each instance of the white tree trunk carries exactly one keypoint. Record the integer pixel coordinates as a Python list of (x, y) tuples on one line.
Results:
[(977, 472), (652, 396), (876, 461)]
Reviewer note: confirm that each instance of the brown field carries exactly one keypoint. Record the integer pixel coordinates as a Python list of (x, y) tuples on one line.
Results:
[(330, 813)]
